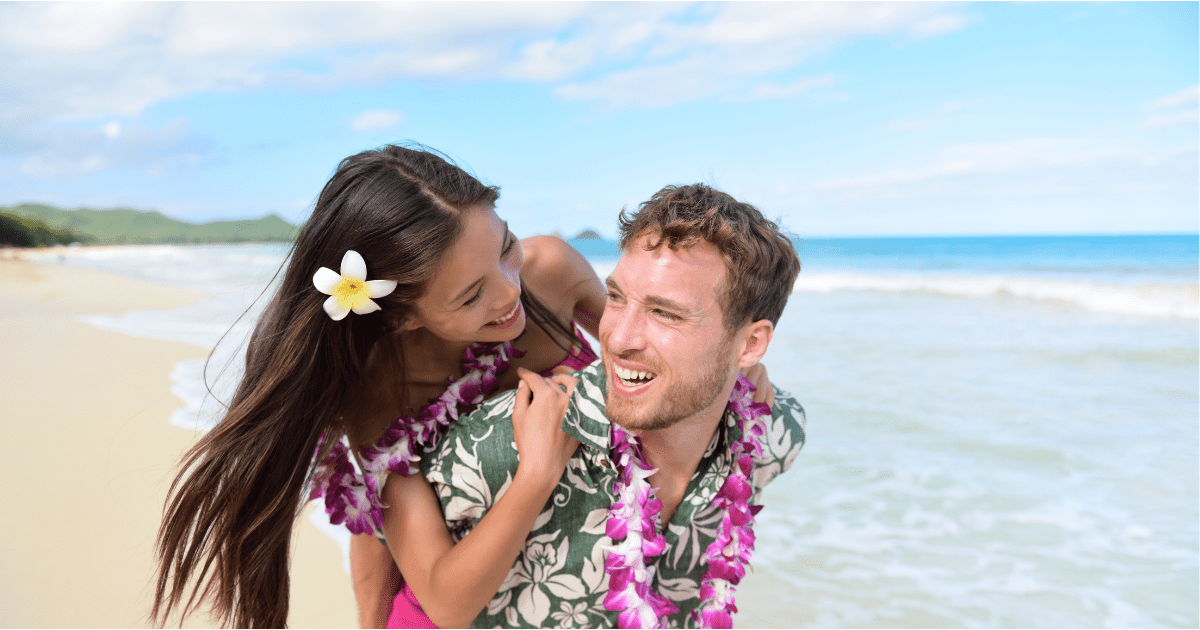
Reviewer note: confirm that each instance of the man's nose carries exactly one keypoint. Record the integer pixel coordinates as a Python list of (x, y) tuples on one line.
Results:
[(627, 332)]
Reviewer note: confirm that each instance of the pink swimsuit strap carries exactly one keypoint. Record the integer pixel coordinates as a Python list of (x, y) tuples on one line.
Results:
[(579, 356)]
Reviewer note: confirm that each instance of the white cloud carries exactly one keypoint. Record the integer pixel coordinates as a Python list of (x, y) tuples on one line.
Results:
[(1176, 118), (1183, 98), (769, 90), (115, 146), (84, 61), (1026, 167), (939, 115), (736, 49), (1179, 109), (376, 120)]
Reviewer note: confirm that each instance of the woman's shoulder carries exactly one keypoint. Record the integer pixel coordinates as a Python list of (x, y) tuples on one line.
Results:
[(548, 255), (553, 267)]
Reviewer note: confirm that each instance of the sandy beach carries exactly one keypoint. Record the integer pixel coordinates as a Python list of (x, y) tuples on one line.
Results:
[(88, 456)]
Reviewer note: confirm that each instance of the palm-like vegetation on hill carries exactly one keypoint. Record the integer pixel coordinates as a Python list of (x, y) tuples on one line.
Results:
[(25, 232), (125, 226)]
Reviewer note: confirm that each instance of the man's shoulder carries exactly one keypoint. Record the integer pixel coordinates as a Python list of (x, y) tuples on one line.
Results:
[(495, 411), (783, 439), (789, 411), (479, 439)]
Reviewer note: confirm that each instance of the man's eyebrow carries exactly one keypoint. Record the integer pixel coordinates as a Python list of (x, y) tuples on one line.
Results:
[(669, 304), (657, 300)]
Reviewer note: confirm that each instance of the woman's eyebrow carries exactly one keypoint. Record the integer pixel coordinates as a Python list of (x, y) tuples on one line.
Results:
[(476, 283), (466, 291)]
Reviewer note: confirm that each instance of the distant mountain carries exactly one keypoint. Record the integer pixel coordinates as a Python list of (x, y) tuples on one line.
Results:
[(125, 226), (588, 235), (23, 231)]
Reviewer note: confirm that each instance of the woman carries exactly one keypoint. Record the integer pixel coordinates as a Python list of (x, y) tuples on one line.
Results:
[(430, 228)]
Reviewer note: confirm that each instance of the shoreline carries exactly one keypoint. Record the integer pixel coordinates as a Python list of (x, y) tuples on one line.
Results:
[(89, 455)]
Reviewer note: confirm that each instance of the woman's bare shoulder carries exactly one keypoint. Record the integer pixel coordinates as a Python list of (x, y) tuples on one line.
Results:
[(552, 267)]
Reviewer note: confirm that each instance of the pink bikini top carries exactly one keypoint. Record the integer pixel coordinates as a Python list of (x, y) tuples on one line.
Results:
[(579, 356)]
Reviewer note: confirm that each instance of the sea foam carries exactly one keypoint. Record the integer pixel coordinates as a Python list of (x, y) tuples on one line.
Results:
[(1145, 300)]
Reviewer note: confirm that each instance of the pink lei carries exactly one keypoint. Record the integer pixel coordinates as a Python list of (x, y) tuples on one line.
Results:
[(353, 498), (633, 522)]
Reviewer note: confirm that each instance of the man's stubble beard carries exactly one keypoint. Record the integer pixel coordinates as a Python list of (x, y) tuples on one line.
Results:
[(681, 401)]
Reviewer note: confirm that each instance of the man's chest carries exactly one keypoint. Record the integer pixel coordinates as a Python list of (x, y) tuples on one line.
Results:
[(559, 578)]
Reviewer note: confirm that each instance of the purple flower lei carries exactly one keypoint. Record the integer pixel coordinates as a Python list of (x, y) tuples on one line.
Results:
[(633, 524), (353, 498)]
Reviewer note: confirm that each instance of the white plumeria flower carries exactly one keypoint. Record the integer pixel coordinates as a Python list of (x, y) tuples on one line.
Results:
[(350, 290)]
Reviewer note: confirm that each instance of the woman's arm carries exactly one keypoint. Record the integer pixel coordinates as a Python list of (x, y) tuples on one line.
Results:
[(376, 580), (557, 271), (454, 582)]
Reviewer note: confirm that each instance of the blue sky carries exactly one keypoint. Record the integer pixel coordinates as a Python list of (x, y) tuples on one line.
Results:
[(838, 118)]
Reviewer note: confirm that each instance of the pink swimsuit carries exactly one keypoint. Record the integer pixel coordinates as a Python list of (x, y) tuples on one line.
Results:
[(406, 611)]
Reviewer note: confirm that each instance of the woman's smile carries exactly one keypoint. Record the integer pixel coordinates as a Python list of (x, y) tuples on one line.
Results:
[(508, 318)]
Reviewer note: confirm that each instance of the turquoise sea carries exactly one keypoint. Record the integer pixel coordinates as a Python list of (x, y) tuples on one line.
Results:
[(1003, 431)]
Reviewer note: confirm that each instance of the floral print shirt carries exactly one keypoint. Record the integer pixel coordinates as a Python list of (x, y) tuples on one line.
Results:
[(558, 579)]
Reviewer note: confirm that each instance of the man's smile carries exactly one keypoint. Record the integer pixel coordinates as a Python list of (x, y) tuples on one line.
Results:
[(633, 380)]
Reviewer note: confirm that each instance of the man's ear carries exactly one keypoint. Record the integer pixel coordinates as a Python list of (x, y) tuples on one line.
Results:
[(757, 337)]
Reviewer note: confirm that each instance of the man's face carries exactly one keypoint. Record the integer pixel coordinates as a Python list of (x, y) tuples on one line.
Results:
[(663, 337)]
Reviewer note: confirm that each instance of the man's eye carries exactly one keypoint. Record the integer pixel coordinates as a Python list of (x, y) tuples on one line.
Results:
[(512, 243), (665, 314)]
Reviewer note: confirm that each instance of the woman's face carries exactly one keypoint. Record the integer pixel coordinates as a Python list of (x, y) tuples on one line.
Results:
[(476, 293)]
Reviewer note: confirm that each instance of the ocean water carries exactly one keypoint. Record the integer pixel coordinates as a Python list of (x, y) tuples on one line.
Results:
[(1003, 432)]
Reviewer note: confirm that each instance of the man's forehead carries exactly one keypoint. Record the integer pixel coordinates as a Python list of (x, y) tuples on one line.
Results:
[(686, 274)]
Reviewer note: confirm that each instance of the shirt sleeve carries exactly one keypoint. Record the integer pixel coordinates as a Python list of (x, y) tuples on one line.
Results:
[(474, 464), (782, 441)]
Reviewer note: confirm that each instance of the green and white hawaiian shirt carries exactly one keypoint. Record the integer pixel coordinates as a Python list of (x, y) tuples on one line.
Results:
[(558, 579)]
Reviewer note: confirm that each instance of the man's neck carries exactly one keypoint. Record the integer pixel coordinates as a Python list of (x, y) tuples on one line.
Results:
[(677, 450)]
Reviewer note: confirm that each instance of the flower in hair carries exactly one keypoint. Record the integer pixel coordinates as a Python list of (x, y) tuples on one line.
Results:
[(350, 290)]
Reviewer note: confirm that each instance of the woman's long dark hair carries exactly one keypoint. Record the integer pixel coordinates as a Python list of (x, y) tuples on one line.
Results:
[(227, 525)]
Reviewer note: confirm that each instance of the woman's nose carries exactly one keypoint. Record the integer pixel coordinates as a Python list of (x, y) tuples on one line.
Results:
[(511, 284)]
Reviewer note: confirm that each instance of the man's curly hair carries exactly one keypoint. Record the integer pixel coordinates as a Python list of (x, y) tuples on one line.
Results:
[(761, 261)]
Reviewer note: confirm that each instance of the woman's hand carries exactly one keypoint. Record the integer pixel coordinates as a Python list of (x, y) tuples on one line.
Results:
[(542, 446), (757, 375)]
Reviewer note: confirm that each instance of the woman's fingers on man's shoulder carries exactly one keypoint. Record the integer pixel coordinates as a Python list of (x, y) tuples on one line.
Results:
[(566, 381)]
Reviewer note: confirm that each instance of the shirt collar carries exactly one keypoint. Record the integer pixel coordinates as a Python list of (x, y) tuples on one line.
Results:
[(585, 419)]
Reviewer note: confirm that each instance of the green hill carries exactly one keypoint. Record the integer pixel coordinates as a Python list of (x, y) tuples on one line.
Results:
[(28, 232), (125, 226)]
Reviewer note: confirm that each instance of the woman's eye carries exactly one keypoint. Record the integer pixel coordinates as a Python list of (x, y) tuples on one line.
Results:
[(474, 298), (512, 242)]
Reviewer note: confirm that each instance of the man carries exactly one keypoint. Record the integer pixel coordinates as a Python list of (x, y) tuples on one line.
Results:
[(696, 295)]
